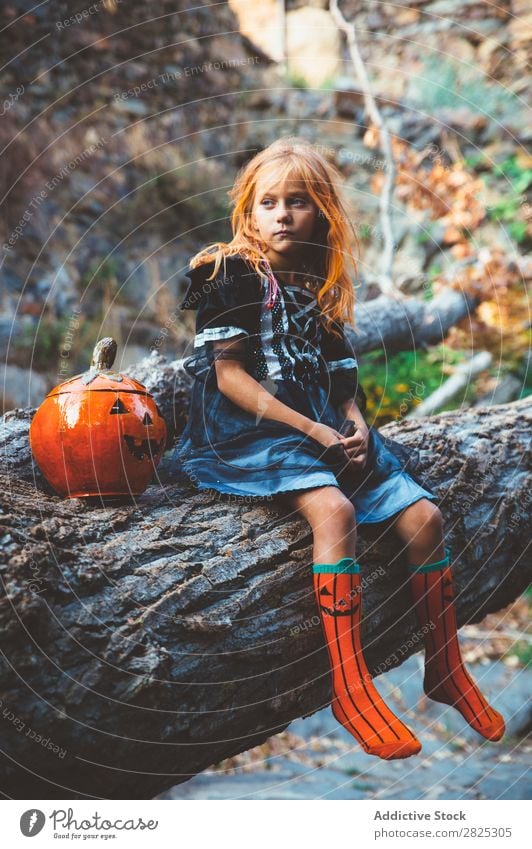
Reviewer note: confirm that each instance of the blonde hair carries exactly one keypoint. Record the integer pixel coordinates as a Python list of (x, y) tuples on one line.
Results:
[(292, 158)]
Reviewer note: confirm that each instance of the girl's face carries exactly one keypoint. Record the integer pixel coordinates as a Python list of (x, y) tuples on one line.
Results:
[(284, 216)]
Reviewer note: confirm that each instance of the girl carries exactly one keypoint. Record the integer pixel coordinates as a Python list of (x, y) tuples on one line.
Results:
[(276, 412)]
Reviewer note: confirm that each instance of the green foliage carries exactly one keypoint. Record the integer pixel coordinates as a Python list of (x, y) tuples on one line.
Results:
[(149, 184), (433, 272), (524, 373), (517, 180), (295, 80), (47, 343), (363, 786), (424, 235), (43, 341), (204, 207), (395, 385), (520, 178), (329, 83), (522, 650), (104, 271), (100, 279), (99, 292), (475, 161), (364, 232), (445, 82)]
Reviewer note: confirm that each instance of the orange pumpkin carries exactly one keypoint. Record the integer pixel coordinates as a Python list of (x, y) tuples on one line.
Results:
[(99, 433)]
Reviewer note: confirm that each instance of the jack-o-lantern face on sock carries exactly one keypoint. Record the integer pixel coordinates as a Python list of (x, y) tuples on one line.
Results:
[(447, 590), (344, 606)]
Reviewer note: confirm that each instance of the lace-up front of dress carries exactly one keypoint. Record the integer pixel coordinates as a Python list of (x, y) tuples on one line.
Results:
[(288, 344)]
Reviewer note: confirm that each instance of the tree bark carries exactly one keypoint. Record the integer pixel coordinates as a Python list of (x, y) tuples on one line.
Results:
[(407, 324), (142, 642)]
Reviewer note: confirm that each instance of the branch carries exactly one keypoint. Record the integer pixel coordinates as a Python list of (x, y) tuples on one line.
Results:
[(386, 277), (145, 641), (407, 324), (460, 380)]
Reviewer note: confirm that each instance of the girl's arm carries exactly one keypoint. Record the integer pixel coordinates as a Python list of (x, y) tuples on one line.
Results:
[(344, 389), (351, 411), (242, 389)]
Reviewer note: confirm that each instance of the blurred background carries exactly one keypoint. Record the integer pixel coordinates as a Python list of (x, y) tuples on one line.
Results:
[(123, 126), (122, 131)]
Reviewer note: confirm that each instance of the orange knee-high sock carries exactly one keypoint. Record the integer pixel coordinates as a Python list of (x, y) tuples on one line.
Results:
[(356, 703), (446, 678)]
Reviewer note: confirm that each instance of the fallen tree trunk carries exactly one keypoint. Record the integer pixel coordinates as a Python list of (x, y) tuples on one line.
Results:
[(406, 324), (143, 642), (399, 325)]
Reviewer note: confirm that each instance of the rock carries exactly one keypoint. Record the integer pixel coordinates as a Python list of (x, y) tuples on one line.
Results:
[(312, 32), (23, 387), (262, 24), (454, 763), (131, 105), (58, 287), (506, 389), (281, 779)]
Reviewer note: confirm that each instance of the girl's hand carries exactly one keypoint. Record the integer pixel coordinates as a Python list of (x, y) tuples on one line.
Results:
[(324, 434), (356, 449), (350, 453)]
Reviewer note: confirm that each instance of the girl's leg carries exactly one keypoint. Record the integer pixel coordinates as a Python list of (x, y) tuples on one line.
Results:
[(356, 704), (446, 679)]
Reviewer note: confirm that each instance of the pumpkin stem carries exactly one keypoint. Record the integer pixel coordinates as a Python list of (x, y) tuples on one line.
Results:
[(104, 354)]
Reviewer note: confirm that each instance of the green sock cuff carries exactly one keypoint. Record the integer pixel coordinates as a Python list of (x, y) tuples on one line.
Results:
[(345, 565), (433, 567)]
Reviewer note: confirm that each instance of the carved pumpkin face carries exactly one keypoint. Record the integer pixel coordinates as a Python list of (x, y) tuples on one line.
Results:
[(344, 606), (98, 434), (139, 432)]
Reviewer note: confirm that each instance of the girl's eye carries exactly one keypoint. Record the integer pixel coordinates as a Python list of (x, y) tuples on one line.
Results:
[(298, 201)]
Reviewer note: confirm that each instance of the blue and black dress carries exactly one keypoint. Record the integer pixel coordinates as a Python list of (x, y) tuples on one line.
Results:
[(289, 351)]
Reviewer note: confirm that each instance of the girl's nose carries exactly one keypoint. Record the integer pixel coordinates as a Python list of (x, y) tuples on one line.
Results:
[(283, 213)]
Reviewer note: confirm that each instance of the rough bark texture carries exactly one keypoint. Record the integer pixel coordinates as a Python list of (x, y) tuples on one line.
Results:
[(146, 641)]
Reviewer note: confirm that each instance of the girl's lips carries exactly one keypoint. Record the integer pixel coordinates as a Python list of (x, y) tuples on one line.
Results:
[(283, 233)]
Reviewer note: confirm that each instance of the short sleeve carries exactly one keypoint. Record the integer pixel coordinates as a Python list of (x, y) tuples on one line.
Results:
[(226, 306), (340, 368)]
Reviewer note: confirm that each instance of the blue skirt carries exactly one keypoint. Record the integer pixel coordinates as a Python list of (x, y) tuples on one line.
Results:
[(226, 449)]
